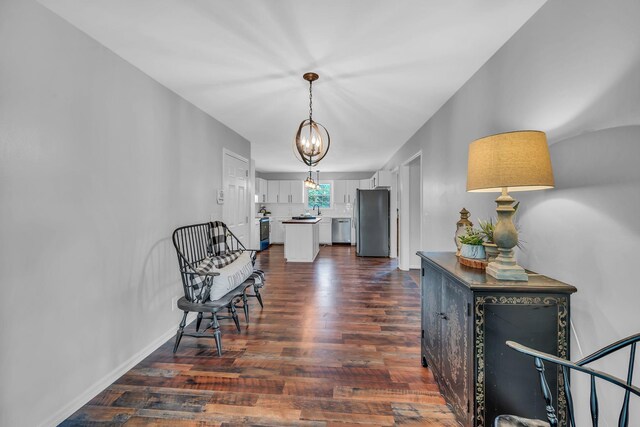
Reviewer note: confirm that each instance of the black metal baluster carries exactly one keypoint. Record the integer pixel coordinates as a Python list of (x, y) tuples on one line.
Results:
[(567, 392), (624, 413), (546, 392), (594, 402)]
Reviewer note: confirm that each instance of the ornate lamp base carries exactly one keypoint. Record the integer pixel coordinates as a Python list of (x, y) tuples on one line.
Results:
[(505, 267)]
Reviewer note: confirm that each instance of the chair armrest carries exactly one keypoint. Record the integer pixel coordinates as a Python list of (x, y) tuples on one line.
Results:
[(563, 362), (611, 348)]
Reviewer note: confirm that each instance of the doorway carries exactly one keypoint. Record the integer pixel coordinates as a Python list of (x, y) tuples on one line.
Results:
[(235, 210), (410, 212)]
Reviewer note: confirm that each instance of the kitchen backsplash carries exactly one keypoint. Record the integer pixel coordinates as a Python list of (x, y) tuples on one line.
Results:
[(287, 210)]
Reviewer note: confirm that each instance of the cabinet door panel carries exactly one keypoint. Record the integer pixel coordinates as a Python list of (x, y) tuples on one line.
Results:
[(273, 190), (285, 192), (352, 186), (510, 375), (455, 346), (364, 184), (431, 300), (297, 192), (262, 193), (278, 231), (340, 191)]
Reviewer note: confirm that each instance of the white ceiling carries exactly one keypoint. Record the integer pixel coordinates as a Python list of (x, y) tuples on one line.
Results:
[(385, 66)]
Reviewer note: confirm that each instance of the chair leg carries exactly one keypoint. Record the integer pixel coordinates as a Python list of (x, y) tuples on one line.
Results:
[(180, 331), (245, 306), (234, 315), (216, 334), (198, 322), (256, 290)]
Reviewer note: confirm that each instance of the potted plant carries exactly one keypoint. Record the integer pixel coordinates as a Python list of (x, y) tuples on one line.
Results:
[(472, 244), (486, 231)]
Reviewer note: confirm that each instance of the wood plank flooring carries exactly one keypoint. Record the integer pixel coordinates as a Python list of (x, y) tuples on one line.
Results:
[(337, 344)]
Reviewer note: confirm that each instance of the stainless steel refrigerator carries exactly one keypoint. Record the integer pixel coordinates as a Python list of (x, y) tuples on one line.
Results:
[(371, 216)]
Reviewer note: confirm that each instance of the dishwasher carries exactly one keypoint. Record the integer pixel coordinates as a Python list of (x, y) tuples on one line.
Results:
[(341, 230)]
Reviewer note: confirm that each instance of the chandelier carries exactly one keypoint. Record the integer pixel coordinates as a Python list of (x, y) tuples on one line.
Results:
[(312, 139), (310, 183)]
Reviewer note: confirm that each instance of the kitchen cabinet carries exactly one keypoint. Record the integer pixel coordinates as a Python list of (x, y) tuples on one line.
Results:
[(344, 191), (276, 234), (284, 193), (340, 191), (351, 190), (261, 190), (466, 318), (273, 191), (325, 231), (288, 191), (302, 240), (297, 191), (255, 234), (381, 179)]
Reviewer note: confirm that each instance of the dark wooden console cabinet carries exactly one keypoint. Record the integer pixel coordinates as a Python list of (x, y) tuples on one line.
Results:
[(466, 318)]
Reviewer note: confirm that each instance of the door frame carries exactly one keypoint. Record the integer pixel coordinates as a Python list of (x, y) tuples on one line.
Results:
[(394, 206), (226, 152), (404, 257)]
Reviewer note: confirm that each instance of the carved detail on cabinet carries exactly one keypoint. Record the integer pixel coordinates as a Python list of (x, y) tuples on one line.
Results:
[(455, 345), (481, 302), (456, 357)]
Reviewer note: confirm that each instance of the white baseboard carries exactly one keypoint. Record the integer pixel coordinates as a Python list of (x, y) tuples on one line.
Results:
[(77, 403)]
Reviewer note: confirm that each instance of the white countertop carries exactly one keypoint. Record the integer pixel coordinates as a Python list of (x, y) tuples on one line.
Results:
[(302, 221), (282, 217)]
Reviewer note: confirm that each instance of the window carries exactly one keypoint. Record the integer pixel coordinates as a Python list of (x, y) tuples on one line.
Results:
[(320, 197)]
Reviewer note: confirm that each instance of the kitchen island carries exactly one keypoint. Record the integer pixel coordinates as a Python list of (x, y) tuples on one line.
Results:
[(301, 239)]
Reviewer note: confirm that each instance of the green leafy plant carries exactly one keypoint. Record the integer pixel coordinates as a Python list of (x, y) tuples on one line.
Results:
[(472, 237), (486, 229)]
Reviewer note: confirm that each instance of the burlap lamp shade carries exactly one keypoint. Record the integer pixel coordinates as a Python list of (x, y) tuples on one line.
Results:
[(518, 160)]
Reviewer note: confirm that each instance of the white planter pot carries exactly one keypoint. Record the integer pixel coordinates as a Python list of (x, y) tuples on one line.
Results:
[(472, 251)]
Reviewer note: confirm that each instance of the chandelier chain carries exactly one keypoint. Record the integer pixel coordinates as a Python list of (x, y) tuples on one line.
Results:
[(310, 101)]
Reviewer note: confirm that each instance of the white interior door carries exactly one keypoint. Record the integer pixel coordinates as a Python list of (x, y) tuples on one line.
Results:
[(235, 211)]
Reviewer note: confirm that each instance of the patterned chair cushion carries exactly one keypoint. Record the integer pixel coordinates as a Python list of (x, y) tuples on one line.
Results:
[(513, 421), (226, 259), (231, 276), (219, 238)]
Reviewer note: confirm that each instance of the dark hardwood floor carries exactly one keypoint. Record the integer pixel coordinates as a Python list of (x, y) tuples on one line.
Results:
[(337, 344)]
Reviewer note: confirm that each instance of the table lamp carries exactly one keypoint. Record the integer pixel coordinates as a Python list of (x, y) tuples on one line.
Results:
[(503, 163)]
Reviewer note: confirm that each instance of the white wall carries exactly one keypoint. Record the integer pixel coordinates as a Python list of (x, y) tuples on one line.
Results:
[(573, 71), (98, 164)]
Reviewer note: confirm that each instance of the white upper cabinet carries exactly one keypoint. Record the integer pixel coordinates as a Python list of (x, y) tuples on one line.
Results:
[(273, 191), (352, 187), (344, 191), (297, 192), (293, 191), (340, 191), (285, 192), (381, 179), (261, 190)]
